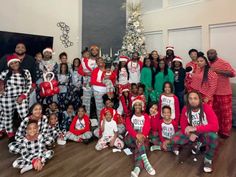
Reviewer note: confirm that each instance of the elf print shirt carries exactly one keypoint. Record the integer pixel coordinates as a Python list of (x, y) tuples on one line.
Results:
[(138, 122), (168, 130), (196, 119)]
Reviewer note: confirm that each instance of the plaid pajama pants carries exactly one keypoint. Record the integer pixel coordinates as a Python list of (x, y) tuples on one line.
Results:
[(76, 138), (8, 105), (104, 141), (210, 140), (222, 106), (22, 162), (99, 102), (137, 149), (154, 138)]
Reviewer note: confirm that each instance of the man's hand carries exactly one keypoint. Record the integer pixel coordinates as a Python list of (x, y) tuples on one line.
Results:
[(189, 129)]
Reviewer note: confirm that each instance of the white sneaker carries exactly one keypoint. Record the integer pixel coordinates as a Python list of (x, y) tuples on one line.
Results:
[(133, 174), (25, 169), (207, 167), (176, 152)]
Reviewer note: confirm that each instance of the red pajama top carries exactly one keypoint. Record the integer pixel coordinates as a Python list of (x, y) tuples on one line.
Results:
[(78, 126), (207, 89), (135, 125), (223, 83), (171, 101), (209, 122), (166, 131)]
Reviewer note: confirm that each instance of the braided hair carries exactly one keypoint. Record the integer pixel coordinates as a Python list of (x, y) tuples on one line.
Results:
[(190, 108)]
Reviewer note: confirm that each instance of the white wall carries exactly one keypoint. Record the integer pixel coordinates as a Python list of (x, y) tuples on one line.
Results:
[(41, 17)]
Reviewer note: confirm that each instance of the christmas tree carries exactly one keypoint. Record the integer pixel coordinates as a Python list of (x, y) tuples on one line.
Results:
[(134, 39)]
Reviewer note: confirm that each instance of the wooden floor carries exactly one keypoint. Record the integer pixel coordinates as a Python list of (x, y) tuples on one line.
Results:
[(79, 160)]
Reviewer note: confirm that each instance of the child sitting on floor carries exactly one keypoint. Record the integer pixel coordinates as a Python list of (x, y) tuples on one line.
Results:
[(53, 132), (166, 129), (80, 127), (67, 117), (34, 153), (109, 133)]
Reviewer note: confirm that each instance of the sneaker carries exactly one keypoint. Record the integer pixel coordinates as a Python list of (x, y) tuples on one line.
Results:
[(196, 148), (176, 152), (207, 167), (25, 169)]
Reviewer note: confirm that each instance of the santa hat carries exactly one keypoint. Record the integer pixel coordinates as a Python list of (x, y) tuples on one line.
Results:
[(170, 48), (94, 47), (48, 50), (124, 58), (12, 58), (109, 110), (125, 89), (178, 59), (138, 99)]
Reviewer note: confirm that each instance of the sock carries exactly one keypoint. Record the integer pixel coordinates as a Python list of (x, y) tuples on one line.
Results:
[(147, 164), (155, 147), (25, 169), (136, 171)]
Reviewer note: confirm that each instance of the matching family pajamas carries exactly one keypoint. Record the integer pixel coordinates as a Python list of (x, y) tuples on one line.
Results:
[(32, 150), (79, 129), (206, 130), (16, 146), (135, 125), (16, 86)]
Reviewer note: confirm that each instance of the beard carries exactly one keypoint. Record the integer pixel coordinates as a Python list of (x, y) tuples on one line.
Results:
[(212, 58), (20, 53)]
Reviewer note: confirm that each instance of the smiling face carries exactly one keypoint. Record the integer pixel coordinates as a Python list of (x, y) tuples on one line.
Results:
[(155, 55), (20, 49), (47, 55), (81, 113), (162, 64), (193, 56), (166, 114), (108, 116), (167, 88), (15, 65), (138, 108), (32, 129), (63, 59), (153, 110), (37, 112), (201, 62)]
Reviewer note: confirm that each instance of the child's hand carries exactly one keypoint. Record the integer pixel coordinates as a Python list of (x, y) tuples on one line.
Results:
[(19, 100), (140, 138), (36, 164), (165, 144), (40, 166), (193, 137)]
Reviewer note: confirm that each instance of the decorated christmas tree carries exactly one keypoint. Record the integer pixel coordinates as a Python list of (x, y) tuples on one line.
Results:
[(134, 39)]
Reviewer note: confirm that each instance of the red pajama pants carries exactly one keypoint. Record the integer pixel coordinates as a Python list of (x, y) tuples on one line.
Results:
[(222, 106)]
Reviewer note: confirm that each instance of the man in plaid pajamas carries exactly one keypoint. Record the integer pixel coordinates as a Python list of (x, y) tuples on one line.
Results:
[(198, 124), (17, 86), (16, 146), (222, 103), (34, 153)]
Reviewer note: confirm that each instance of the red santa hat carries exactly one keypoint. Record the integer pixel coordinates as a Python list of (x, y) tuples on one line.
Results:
[(170, 48), (124, 58), (12, 58), (109, 110), (138, 99), (125, 89), (178, 59), (48, 50)]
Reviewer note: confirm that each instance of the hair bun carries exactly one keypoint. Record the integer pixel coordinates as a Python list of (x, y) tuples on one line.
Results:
[(200, 54)]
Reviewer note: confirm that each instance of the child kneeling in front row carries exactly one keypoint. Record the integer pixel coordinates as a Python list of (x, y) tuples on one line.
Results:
[(80, 127), (34, 153), (109, 133)]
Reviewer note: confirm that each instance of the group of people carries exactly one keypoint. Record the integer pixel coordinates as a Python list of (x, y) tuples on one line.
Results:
[(148, 104)]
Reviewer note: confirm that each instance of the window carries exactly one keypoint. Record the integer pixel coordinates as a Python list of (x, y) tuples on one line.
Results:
[(150, 5)]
